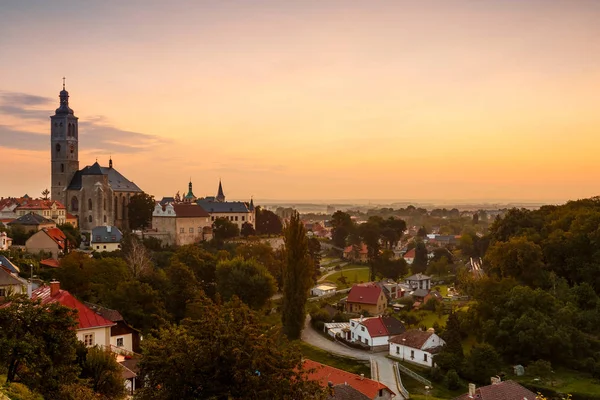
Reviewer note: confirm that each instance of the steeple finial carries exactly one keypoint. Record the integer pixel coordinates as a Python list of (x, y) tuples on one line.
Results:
[(110, 161), (64, 82)]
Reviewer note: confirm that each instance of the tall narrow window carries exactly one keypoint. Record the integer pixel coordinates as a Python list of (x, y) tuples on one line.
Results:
[(90, 218), (90, 204), (57, 147), (62, 167)]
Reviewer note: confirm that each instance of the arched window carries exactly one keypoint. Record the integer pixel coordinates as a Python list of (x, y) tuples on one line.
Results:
[(62, 167), (105, 219), (74, 204), (57, 147), (90, 218), (90, 205), (104, 206), (116, 206)]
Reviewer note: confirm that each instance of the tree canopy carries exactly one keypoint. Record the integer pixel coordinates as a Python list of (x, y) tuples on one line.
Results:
[(139, 210), (247, 279)]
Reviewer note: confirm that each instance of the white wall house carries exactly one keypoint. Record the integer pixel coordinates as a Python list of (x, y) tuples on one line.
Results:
[(416, 346), (374, 331)]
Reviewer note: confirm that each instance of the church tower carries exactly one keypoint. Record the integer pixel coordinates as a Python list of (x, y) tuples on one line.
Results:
[(64, 147)]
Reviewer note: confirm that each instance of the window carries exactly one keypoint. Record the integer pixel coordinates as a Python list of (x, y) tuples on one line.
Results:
[(412, 354), (105, 219), (90, 204), (98, 247), (104, 205), (62, 167), (181, 230), (243, 218), (236, 218), (104, 246), (2, 292), (88, 339), (352, 323), (119, 342), (397, 349), (90, 218), (57, 147), (352, 335), (191, 230), (362, 328), (212, 218), (425, 357), (366, 341)]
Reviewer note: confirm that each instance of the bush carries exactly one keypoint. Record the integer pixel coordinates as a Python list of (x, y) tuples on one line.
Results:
[(452, 380), (18, 391), (321, 316), (319, 325)]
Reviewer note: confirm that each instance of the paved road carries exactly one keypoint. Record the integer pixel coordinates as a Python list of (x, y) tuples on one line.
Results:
[(384, 365)]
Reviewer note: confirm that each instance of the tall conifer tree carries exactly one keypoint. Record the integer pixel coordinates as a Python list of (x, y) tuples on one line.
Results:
[(297, 277)]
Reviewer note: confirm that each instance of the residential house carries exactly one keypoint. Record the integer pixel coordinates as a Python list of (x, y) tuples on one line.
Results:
[(433, 294), (50, 263), (33, 222), (507, 390), (50, 209), (337, 329), (11, 283), (357, 254), (92, 328), (418, 296), (392, 290), (367, 297), (323, 289), (409, 256), (238, 212), (123, 337), (416, 346), (7, 208), (337, 380), (419, 281), (6, 263), (106, 238), (5, 241), (180, 223), (374, 332), (49, 240)]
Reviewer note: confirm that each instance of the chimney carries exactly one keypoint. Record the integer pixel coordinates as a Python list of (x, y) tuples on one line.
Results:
[(471, 390), (54, 288), (362, 377), (108, 228), (496, 380)]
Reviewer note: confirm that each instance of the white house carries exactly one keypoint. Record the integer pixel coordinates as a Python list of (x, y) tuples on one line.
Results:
[(323, 290), (419, 281), (5, 241), (374, 332), (336, 329), (416, 346), (106, 238), (92, 328)]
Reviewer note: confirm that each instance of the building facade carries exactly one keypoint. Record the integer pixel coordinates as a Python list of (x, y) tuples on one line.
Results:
[(96, 195), (180, 224)]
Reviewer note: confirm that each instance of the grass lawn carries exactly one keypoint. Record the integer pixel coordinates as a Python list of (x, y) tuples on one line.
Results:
[(347, 364), (438, 390), (352, 277), (564, 381), (468, 343)]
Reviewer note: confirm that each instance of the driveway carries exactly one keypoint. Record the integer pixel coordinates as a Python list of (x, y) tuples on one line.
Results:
[(384, 366)]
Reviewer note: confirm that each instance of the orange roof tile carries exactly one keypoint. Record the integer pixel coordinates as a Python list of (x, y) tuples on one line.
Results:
[(57, 235), (325, 374)]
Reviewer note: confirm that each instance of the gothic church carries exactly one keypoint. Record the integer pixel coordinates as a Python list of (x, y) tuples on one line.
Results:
[(96, 195)]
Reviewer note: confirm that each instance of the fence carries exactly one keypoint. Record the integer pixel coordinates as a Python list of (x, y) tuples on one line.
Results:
[(413, 374), (403, 392)]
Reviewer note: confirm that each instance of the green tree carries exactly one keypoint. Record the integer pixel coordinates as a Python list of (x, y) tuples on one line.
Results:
[(452, 380), (265, 255), (422, 232), (482, 363), (73, 234), (103, 372), (37, 344), (390, 268), (181, 287), (139, 211), (224, 229), (419, 264), (202, 263), (267, 222), (518, 258), (297, 277), (247, 230), (342, 226), (539, 369), (244, 361), (370, 233), (247, 279), (314, 250)]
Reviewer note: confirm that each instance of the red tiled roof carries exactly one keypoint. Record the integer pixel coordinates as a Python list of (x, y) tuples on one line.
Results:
[(57, 235), (413, 338), (86, 317), (71, 216), (363, 249), (325, 374), (375, 326), (364, 293), (409, 254), (189, 210), (40, 204), (507, 390), (50, 262)]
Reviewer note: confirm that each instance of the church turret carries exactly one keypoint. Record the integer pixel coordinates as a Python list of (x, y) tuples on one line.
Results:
[(189, 197), (251, 206), (64, 147), (220, 195)]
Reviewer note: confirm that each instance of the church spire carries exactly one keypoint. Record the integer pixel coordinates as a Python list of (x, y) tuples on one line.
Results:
[(64, 101), (220, 194)]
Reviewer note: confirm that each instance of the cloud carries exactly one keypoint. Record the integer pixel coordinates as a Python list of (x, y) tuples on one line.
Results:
[(95, 133)]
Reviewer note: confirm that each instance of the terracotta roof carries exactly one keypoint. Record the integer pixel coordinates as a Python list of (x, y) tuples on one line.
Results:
[(57, 235), (86, 317), (40, 204), (325, 374), (507, 390), (71, 216), (413, 338), (189, 210), (364, 293), (375, 326), (363, 249), (50, 262), (409, 254)]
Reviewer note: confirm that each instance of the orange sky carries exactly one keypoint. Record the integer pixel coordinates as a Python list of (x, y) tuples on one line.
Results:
[(311, 99)]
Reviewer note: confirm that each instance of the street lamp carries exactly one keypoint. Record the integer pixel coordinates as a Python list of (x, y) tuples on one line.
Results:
[(427, 392), (30, 272)]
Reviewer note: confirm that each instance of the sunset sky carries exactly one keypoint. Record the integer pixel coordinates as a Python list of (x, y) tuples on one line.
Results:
[(314, 100)]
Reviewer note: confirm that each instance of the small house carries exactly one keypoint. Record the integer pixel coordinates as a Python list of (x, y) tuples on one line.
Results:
[(324, 289), (106, 238), (416, 346), (367, 297)]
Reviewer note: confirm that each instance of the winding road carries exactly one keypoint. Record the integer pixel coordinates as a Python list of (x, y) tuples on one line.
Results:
[(383, 365)]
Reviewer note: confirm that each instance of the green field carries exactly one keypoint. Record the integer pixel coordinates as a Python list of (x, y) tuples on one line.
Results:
[(352, 277), (564, 381)]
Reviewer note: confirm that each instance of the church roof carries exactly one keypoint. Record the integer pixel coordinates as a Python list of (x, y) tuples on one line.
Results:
[(117, 181), (223, 206), (220, 194)]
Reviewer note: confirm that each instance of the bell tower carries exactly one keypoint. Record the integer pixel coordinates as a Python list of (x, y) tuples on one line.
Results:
[(64, 147)]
